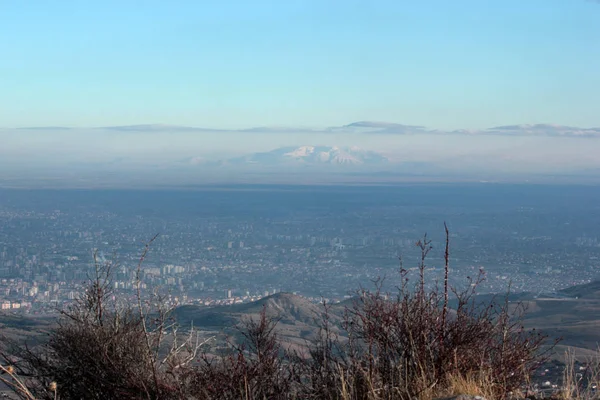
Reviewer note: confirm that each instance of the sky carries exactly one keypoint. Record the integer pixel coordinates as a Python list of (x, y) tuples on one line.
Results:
[(466, 64), (460, 77)]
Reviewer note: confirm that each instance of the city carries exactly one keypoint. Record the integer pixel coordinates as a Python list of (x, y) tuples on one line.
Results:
[(216, 248)]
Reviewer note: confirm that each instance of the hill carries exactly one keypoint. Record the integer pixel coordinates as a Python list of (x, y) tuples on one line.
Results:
[(587, 291), (30, 329), (575, 319), (298, 319), (572, 314)]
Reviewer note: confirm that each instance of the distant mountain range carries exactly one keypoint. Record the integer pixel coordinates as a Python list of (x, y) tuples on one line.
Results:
[(331, 158), (314, 161), (313, 156)]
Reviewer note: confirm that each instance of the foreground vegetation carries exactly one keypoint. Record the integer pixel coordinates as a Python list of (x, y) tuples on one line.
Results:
[(405, 345)]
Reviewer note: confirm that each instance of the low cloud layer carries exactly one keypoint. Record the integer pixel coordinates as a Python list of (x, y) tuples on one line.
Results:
[(156, 128), (544, 130), (360, 127)]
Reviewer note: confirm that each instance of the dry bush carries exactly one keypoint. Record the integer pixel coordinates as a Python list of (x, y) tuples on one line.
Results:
[(326, 370), (257, 368), (101, 350), (412, 344)]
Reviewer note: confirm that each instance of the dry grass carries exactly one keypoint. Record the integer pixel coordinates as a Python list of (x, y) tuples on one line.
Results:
[(12, 380), (581, 383), (474, 384)]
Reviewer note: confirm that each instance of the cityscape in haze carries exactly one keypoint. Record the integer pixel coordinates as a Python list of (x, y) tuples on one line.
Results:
[(235, 244), (298, 146)]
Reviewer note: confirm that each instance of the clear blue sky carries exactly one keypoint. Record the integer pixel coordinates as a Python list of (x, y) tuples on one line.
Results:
[(440, 63)]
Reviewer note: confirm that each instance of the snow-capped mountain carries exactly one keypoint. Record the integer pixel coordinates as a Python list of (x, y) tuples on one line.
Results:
[(313, 155)]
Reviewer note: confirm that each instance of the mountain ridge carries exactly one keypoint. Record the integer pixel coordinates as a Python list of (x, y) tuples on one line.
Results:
[(307, 155)]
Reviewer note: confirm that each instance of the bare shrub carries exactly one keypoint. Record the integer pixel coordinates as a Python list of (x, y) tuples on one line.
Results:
[(412, 345), (257, 368), (326, 368), (102, 350)]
